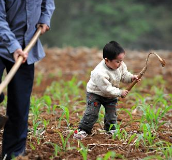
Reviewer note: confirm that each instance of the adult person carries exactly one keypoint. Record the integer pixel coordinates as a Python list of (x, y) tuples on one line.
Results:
[(19, 20)]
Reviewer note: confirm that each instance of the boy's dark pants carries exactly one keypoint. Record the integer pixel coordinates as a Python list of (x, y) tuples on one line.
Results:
[(90, 117), (18, 102)]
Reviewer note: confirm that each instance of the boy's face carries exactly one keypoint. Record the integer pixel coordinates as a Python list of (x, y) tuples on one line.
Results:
[(115, 63)]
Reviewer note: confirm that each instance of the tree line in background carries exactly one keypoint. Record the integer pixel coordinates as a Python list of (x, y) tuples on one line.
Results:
[(134, 24)]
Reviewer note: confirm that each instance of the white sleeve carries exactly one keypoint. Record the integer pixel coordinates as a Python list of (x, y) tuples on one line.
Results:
[(102, 82), (126, 76)]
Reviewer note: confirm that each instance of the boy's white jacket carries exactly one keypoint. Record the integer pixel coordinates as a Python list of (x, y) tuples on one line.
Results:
[(105, 81)]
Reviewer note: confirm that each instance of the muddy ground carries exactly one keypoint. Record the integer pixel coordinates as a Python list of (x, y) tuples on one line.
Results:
[(79, 61)]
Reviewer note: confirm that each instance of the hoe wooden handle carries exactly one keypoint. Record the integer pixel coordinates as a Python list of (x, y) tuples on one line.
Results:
[(19, 61), (134, 82)]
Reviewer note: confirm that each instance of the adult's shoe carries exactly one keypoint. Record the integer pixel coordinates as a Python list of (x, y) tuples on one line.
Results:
[(3, 120)]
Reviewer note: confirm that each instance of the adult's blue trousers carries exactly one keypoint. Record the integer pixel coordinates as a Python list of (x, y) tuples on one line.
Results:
[(18, 102)]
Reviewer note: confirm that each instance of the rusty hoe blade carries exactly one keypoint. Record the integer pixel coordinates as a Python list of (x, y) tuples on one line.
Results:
[(162, 61)]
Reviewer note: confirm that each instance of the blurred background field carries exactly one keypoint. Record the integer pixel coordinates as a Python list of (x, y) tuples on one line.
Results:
[(134, 24)]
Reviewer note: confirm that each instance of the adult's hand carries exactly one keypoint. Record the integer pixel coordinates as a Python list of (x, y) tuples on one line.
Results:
[(45, 28), (19, 52)]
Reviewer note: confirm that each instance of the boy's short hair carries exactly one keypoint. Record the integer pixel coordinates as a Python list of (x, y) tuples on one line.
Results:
[(111, 50)]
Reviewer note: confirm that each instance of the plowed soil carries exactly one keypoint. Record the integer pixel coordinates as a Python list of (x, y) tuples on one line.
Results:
[(80, 61)]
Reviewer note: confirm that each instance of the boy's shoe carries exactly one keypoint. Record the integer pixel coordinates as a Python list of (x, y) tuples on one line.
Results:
[(1, 97), (111, 132), (79, 134)]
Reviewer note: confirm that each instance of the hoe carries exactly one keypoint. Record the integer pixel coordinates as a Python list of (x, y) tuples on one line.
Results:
[(162, 61)]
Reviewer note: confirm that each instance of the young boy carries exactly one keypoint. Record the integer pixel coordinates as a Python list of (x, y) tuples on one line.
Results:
[(103, 89)]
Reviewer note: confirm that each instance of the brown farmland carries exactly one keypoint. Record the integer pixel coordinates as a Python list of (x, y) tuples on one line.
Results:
[(64, 65)]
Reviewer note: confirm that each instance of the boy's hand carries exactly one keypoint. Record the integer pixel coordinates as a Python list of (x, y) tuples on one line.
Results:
[(19, 52), (124, 93), (135, 77)]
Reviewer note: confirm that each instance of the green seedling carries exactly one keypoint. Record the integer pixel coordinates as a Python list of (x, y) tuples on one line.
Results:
[(48, 102), (54, 108), (101, 116), (148, 137), (56, 150), (119, 133), (128, 112), (156, 81), (83, 150), (159, 92), (132, 137), (39, 78), (45, 123), (65, 115), (35, 106), (38, 139), (32, 146), (35, 127), (108, 155), (137, 98), (64, 91), (153, 115), (56, 147), (170, 95), (166, 149), (156, 157), (64, 140), (138, 140), (4, 103)]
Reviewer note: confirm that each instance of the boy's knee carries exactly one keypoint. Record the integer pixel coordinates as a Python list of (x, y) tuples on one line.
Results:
[(90, 118)]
